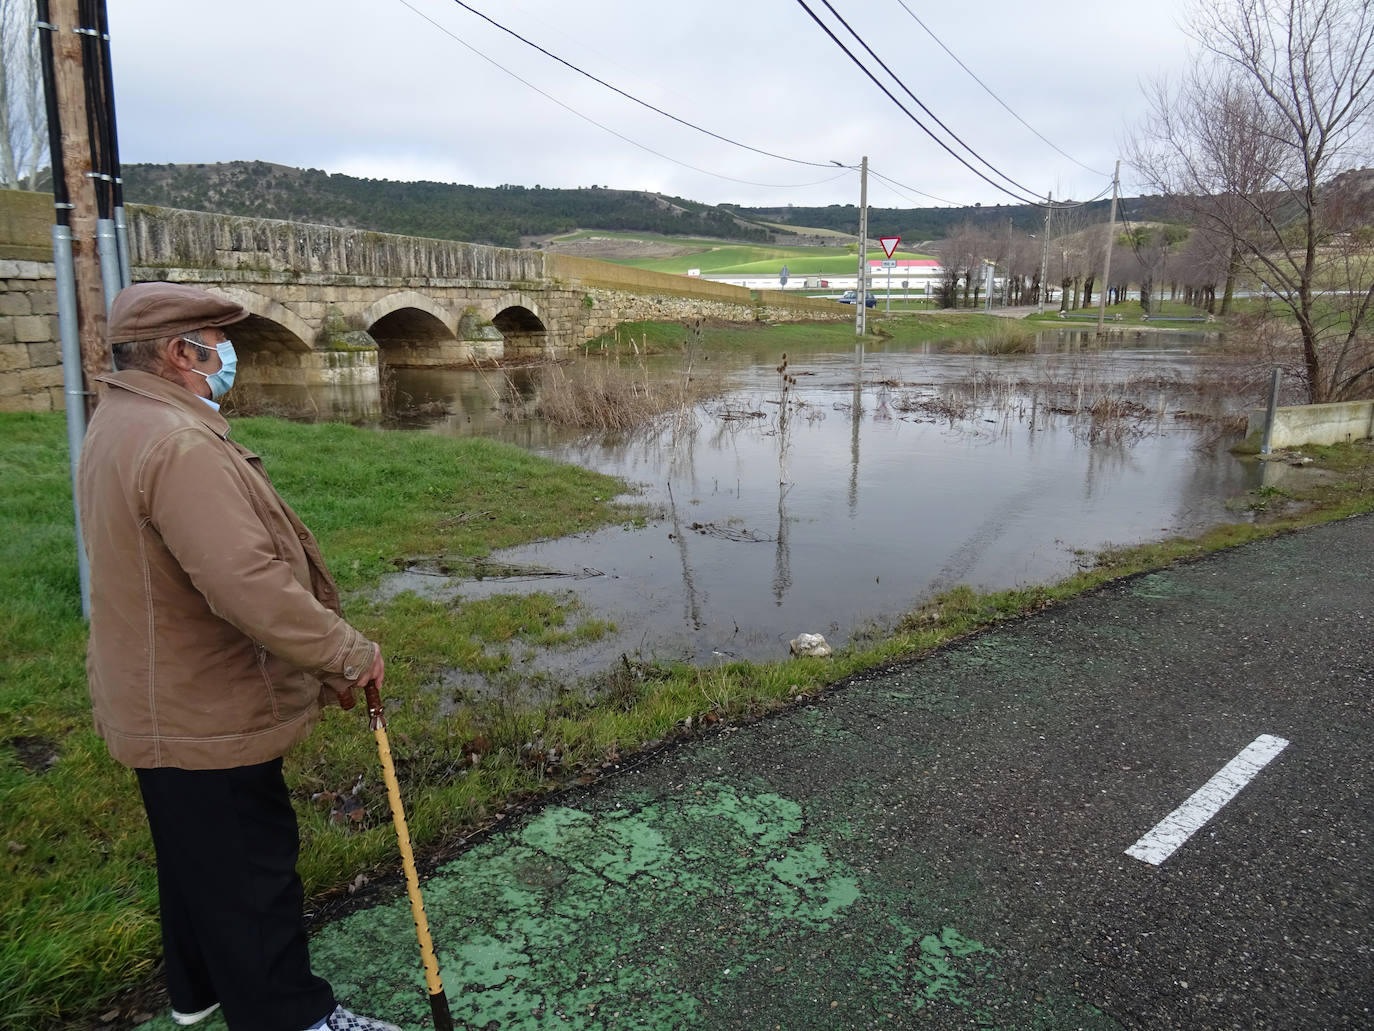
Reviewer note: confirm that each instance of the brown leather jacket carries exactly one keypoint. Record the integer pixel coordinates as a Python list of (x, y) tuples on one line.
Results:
[(213, 618)]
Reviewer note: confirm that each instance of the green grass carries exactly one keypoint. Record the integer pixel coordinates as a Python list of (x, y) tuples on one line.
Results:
[(78, 894), (815, 261), (1131, 313)]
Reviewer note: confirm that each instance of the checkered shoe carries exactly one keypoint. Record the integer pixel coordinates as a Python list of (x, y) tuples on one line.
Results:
[(342, 1020)]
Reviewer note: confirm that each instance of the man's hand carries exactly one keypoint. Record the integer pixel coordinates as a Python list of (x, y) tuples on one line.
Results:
[(338, 691), (376, 672)]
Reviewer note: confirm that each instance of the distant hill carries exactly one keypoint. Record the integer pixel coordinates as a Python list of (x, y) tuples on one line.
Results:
[(504, 216), (515, 216), (923, 224)]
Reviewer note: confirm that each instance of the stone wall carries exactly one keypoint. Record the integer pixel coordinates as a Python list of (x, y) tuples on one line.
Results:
[(1296, 425), (30, 349), (609, 308)]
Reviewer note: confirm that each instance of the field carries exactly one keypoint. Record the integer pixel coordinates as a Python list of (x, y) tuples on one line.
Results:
[(714, 257)]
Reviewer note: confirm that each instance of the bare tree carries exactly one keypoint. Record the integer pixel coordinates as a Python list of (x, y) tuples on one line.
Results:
[(23, 118), (1252, 143), (961, 254), (1204, 261), (1155, 247), (1075, 255)]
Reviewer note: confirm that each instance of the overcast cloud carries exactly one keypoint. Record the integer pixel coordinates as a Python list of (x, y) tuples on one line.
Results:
[(372, 88)]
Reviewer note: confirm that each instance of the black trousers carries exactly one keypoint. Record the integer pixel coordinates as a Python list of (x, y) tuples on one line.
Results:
[(230, 897)]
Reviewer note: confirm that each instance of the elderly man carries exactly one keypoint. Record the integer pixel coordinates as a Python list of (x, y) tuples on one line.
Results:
[(215, 639)]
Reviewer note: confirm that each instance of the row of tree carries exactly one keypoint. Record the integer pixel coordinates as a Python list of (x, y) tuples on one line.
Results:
[(1162, 260)]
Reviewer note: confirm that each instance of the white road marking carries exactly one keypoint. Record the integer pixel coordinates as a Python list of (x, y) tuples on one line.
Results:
[(1165, 837)]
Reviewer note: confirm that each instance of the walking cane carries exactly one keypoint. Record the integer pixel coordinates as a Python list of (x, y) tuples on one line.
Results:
[(438, 1001)]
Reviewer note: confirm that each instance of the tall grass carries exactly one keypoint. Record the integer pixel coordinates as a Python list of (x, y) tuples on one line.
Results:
[(615, 390), (1102, 408)]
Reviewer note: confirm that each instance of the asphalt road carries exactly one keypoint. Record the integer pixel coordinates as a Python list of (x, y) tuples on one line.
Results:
[(943, 844)]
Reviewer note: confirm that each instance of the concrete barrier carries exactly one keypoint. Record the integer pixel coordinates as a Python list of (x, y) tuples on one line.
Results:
[(1296, 425)]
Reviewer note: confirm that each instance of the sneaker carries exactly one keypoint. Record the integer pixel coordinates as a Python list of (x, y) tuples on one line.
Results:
[(187, 1019), (342, 1020)]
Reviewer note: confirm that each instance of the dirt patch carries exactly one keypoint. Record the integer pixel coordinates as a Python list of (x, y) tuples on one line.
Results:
[(611, 248), (36, 754)]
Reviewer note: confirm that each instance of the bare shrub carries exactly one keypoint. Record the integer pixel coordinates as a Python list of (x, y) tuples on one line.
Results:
[(1007, 337), (612, 395)]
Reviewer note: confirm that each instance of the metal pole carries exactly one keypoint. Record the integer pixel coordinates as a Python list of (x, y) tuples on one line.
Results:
[(889, 289), (73, 375), (126, 273), (111, 272), (1272, 412), (74, 388), (861, 295), (1107, 263)]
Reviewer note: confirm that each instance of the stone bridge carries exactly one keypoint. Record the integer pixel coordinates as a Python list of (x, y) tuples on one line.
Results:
[(333, 306)]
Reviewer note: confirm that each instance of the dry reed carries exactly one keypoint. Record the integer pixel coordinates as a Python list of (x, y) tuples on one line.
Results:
[(610, 394)]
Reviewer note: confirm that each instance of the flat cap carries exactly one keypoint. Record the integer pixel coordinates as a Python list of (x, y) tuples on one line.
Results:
[(151, 311)]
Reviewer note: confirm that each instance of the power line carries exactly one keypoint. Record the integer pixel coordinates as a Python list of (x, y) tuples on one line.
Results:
[(902, 107), (637, 100), (894, 185), (990, 92), (897, 79), (606, 128), (1053, 205)]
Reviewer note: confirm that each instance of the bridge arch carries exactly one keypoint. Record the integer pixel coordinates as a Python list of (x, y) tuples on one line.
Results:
[(404, 299), (518, 318), (270, 328), (412, 330)]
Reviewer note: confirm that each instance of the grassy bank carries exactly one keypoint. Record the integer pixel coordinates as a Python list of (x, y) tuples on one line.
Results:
[(899, 328), (79, 895), (1168, 314)]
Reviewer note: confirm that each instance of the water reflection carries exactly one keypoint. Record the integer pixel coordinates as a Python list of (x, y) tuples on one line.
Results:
[(870, 503)]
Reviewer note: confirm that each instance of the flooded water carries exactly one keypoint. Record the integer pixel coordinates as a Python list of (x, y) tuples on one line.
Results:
[(887, 477)]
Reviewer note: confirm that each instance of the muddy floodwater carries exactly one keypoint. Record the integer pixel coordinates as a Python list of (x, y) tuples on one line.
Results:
[(881, 478)]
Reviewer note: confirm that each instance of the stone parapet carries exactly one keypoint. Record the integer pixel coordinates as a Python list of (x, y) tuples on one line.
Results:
[(171, 238)]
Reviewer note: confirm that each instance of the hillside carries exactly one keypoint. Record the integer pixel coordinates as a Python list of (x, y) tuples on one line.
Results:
[(503, 216), (515, 216), (925, 224)]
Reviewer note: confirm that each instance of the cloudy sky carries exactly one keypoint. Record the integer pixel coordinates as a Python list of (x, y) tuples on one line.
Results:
[(424, 89)]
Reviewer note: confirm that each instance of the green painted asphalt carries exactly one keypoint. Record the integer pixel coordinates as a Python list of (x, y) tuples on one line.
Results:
[(941, 844)]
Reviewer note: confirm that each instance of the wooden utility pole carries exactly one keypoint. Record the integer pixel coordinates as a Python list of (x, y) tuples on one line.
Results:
[(861, 294), (70, 80), (1107, 262), (1045, 250)]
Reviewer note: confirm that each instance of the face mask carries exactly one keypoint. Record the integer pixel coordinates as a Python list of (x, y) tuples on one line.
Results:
[(220, 382)]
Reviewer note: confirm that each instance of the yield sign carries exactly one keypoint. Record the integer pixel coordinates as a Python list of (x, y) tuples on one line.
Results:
[(889, 243)]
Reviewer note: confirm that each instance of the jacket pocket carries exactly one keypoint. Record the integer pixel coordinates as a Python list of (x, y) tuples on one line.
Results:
[(290, 691), (263, 658)]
